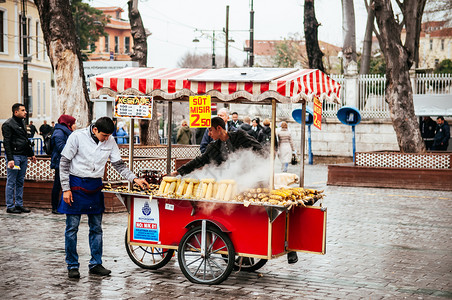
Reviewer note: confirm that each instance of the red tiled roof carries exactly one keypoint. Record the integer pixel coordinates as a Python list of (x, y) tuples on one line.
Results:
[(445, 32)]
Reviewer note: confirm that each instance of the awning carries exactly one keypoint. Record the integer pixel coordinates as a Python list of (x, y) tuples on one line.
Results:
[(244, 85)]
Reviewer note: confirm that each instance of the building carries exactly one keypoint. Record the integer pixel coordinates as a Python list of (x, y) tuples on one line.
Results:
[(118, 43), (435, 44), (265, 52), (11, 62)]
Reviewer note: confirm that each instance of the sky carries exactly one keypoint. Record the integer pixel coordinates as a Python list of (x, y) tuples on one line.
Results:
[(175, 23)]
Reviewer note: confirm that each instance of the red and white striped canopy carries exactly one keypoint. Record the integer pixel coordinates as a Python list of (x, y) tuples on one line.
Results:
[(232, 84)]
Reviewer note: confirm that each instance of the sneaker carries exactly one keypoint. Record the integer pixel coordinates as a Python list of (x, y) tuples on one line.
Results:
[(23, 209), (13, 210), (292, 257), (73, 273), (99, 270)]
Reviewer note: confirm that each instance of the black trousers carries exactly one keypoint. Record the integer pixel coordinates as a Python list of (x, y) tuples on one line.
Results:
[(56, 190)]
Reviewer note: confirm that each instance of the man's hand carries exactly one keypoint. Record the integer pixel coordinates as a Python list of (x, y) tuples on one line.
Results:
[(175, 173), (142, 183), (33, 159), (67, 197), (11, 164)]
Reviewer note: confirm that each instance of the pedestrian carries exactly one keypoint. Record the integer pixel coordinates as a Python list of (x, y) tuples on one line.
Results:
[(246, 126), (17, 149), (53, 124), (121, 134), (184, 134), (286, 147), (235, 120), (427, 127), (442, 135), (265, 136), (206, 139), (256, 126), (45, 129), (61, 132), (33, 130), (82, 167)]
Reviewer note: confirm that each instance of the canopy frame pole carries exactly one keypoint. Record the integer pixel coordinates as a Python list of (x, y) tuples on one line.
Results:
[(170, 134), (131, 147), (303, 133), (272, 145)]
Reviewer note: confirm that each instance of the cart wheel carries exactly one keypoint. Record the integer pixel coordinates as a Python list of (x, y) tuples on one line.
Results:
[(249, 264), (212, 268), (148, 257)]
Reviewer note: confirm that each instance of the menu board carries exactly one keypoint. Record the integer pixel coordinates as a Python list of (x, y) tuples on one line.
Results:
[(137, 107)]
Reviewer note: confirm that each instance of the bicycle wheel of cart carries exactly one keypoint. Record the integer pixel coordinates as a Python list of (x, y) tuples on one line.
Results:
[(151, 258), (248, 264), (211, 268)]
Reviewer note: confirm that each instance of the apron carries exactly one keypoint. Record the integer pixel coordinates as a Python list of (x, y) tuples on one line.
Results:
[(87, 197)]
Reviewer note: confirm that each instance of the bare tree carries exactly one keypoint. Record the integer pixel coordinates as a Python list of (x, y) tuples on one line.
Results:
[(311, 36), (58, 27), (348, 27), (148, 129), (203, 61), (367, 44), (399, 57)]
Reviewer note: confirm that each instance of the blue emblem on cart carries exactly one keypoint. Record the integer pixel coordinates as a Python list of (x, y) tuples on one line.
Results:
[(146, 209)]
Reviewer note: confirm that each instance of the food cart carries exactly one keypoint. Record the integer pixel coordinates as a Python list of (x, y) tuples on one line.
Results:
[(213, 237)]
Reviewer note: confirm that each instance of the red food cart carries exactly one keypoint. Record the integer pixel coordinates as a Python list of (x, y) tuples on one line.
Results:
[(213, 237)]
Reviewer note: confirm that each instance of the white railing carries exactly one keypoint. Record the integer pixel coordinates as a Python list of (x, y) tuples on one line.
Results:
[(371, 101), (329, 109), (433, 84)]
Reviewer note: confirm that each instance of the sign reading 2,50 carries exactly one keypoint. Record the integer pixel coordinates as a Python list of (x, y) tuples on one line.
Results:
[(196, 122)]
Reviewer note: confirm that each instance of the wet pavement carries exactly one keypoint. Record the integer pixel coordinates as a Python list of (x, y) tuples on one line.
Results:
[(381, 243)]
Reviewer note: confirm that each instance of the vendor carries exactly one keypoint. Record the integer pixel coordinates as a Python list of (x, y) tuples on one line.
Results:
[(225, 143)]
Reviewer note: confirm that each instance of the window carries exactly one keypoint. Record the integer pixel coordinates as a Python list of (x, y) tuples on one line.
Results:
[(127, 44), (107, 47), (2, 31), (37, 39), (116, 44), (21, 35), (39, 97), (431, 44), (442, 44), (44, 98)]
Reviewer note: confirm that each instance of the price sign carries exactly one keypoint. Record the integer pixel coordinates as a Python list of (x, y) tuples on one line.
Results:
[(317, 113), (200, 112), (137, 107)]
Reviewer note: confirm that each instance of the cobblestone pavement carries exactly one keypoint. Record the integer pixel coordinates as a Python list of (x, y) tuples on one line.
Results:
[(381, 243)]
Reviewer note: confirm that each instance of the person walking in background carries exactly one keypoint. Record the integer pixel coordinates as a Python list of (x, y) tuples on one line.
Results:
[(235, 120), (246, 126), (44, 129), (53, 124), (121, 134), (265, 136), (33, 130), (63, 129), (17, 149), (82, 167), (286, 147), (184, 134), (255, 126), (442, 135)]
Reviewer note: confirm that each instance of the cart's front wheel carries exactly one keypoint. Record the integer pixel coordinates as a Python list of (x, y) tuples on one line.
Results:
[(148, 257), (209, 267)]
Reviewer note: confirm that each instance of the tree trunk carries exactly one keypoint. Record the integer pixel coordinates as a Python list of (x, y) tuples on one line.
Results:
[(348, 25), (63, 48), (148, 128), (367, 44), (311, 37), (399, 59)]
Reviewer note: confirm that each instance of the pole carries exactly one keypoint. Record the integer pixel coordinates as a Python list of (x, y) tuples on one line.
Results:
[(303, 133), (226, 56), (213, 51), (272, 145), (353, 142), (25, 61), (251, 60), (170, 134), (309, 145), (131, 146)]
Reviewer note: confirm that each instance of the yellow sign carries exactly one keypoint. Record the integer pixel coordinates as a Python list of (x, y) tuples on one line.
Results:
[(317, 113), (137, 107), (200, 112)]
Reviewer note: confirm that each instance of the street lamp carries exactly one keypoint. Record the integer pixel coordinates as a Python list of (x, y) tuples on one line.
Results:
[(196, 40)]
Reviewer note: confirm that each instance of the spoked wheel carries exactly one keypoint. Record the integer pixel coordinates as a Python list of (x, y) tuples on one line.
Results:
[(207, 265), (148, 257), (248, 264)]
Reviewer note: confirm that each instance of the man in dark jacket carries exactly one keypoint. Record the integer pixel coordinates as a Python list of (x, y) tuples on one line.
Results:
[(246, 126), (442, 135), (45, 129), (17, 149), (206, 139), (224, 143), (33, 130), (235, 120), (427, 127)]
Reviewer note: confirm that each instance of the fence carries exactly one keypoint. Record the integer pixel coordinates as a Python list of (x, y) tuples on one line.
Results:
[(36, 143)]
